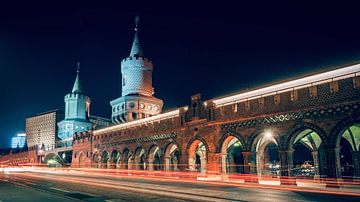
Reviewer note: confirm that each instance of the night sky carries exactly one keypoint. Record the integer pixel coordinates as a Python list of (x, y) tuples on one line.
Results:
[(213, 49)]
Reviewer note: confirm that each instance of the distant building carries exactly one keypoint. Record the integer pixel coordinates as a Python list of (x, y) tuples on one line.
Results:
[(41, 130), (18, 141)]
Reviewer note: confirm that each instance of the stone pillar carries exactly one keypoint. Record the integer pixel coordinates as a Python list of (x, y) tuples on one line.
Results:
[(247, 161), (167, 161), (231, 165), (250, 174), (151, 163), (332, 170), (356, 163), (184, 162), (315, 156), (259, 163), (223, 165), (286, 159)]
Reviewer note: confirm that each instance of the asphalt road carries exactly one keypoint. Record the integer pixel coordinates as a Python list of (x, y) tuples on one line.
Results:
[(80, 186)]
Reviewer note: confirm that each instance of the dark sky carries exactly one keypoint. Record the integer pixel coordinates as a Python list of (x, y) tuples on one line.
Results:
[(213, 49)]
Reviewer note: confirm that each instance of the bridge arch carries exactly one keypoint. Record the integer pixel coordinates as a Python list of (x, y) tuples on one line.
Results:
[(53, 160), (345, 137), (197, 149), (81, 159), (264, 146), (172, 156), (231, 146), (140, 158), (115, 159), (155, 155), (304, 144), (105, 158), (127, 159), (96, 159)]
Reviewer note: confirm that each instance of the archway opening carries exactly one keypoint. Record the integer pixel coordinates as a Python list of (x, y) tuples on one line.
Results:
[(126, 162), (232, 156), (115, 158), (307, 152), (105, 160), (155, 158), (140, 159), (96, 160), (81, 159), (172, 157), (197, 157), (349, 155), (267, 155), (54, 160)]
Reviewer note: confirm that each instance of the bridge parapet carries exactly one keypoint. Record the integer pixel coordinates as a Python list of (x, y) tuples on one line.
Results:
[(341, 89)]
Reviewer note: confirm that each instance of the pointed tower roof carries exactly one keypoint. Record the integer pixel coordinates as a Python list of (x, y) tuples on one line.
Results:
[(136, 49), (77, 87)]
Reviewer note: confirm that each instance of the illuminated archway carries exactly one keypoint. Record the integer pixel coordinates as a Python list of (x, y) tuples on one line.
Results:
[(105, 157), (139, 158), (81, 159), (232, 160), (306, 146), (96, 159), (349, 155), (53, 160), (172, 157), (154, 159), (197, 156), (265, 146), (127, 159), (115, 158)]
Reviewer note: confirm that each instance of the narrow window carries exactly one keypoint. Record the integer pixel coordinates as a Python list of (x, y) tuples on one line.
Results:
[(294, 95), (277, 99), (247, 106), (334, 87), (313, 91)]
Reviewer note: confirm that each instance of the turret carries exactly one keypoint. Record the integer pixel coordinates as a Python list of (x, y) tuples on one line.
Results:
[(137, 99)]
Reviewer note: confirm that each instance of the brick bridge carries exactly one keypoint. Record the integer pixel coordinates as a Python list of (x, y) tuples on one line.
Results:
[(279, 129)]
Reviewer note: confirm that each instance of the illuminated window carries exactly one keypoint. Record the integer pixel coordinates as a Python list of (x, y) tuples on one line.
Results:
[(124, 80), (334, 87), (313, 91), (356, 82), (247, 106), (261, 102), (277, 99), (294, 95)]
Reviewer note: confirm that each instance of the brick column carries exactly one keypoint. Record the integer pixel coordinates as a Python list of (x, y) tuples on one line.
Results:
[(356, 163), (167, 162), (315, 156), (184, 162), (332, 169), (286, 165), (247, 161), (250, 174)]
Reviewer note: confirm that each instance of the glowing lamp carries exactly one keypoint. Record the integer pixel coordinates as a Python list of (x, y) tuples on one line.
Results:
[(268, 135)]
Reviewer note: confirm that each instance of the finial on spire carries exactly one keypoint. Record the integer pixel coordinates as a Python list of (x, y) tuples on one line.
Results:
[(78, 67), (136, 49), (137, 21), (77, 87)]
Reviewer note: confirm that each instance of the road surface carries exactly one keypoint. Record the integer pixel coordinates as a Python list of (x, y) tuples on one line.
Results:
[(82, 186)]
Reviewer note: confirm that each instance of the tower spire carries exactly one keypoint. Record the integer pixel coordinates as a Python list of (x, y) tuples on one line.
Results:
[(136, 49), (77, 87)]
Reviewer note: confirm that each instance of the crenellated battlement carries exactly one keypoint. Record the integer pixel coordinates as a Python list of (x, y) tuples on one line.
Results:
[(75, 96)]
